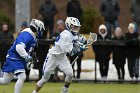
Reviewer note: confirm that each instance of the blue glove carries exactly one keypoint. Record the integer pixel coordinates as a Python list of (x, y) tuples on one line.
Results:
[(77, 49), (83, 47), (28, 58)]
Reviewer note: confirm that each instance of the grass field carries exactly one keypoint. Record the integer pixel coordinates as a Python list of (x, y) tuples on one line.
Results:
[(76, 88)]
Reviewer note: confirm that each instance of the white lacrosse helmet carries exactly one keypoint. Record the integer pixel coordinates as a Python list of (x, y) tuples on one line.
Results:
[(72, 24), (39, 26)]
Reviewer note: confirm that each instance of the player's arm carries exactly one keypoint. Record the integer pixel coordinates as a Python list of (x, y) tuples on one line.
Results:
[(82, 43), (66, 44), (79, 45), (20, 48), (22, 41)]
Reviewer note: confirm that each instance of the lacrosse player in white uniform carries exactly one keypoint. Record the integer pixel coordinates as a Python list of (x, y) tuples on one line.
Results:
[(66, 42)]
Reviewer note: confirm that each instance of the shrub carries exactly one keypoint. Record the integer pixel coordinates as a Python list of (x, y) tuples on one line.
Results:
[(87, 20), (5, 18), (11, 3)]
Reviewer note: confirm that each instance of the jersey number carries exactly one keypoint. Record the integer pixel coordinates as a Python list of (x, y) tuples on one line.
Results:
[(57, 39)]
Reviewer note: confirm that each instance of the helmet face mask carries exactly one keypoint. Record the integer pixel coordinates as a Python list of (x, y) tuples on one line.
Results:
[(72, 24), (75, 29), (39, 33), (39, 26)]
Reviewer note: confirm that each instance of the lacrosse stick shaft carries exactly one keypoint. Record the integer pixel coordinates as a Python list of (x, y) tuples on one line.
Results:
[(35, 59), (74, 60)]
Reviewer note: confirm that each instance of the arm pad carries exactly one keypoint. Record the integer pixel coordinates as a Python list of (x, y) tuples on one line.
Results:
[(20, 48)]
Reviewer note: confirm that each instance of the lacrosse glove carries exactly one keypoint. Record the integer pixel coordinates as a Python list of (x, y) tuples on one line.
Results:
[(29, 65), (28, 58), (29, 61)]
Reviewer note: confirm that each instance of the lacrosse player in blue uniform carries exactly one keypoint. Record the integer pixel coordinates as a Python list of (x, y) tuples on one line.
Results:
[(18, 56), (66, 42)]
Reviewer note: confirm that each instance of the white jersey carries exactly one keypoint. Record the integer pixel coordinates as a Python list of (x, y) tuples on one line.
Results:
[(57, 56), (63, 43)]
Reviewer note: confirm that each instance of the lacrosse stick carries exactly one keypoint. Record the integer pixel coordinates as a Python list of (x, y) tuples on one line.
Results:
[(91, 39)]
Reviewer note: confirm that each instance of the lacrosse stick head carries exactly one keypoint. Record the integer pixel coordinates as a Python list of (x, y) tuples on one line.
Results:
[(92, 38)]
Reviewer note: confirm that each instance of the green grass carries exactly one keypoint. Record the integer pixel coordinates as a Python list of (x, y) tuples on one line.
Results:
[(76, 88)]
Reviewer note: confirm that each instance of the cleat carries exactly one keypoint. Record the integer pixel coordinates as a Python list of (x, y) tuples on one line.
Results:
[(34, 91), (64, 90)]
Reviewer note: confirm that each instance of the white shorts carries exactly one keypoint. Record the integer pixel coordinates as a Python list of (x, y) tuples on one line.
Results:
[(52, 61)]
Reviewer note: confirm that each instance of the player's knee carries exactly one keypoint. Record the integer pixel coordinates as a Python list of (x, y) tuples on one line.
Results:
[(4, 81), (47, 75), (69, 76), (69, 73), (44, 80), (22, 77), (41, 82)]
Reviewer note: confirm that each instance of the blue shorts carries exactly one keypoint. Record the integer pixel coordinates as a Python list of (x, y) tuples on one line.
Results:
[(14, 66)]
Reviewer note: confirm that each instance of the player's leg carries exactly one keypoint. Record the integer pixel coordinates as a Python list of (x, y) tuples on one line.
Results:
[(18, 68), (118, 71), (45, 21), (108, 26), (51, 26), (101, 66), (115, 24), (79, 67), (21, 78), (131, 67), (136, 68), (48, 68), (136, 26), (27, 71), (106, 67), (6, 79), (71, 60), (67, 69), (56, 77), (123, 71)]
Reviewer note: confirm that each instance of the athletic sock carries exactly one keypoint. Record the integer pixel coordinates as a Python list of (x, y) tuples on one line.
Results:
[(67, 86), (19, 83), (34, 91)]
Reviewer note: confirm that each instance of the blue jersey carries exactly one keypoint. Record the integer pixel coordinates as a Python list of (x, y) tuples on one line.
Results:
[(14, 62), (26, 38)]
